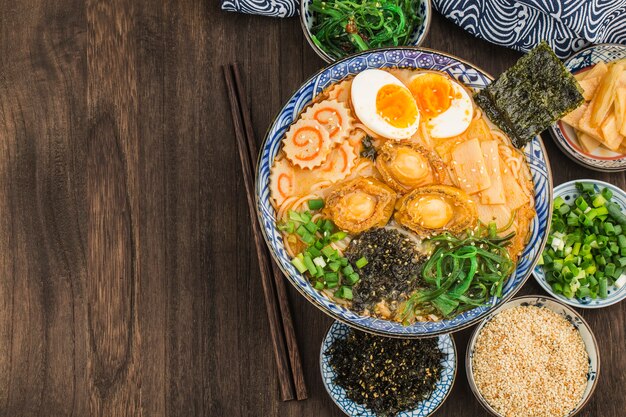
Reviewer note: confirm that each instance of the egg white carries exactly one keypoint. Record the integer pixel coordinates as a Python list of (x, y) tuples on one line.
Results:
[(364, 91), (456, 119)]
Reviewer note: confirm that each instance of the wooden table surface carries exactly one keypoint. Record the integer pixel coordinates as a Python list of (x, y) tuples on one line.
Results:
[(128, 278)]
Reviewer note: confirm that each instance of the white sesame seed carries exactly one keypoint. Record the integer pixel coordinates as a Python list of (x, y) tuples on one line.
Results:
[(530, 361)]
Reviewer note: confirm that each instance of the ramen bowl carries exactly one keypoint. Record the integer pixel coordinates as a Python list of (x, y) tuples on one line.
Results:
[(414, 58)]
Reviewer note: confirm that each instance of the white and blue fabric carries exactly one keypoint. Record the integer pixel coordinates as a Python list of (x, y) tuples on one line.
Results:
[(567, 25), (273, 8)]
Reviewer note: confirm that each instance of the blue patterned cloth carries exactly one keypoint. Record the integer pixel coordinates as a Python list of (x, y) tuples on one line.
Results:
[(274, 8), (567, 25)]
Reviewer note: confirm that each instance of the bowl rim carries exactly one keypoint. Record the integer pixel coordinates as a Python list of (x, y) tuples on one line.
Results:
[(543, 283), (443, 400), (333, 315), (555, 129), (330, 60), (472, 342)]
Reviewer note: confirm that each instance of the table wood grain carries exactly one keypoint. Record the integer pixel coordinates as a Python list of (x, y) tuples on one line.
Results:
[(129, 284)]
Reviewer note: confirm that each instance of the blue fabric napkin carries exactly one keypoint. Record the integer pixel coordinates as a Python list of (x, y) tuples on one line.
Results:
[(567, 25), (273, 8)]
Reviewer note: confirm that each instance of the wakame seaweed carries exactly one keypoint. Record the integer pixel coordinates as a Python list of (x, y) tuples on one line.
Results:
[(531, 95), (386, 375)]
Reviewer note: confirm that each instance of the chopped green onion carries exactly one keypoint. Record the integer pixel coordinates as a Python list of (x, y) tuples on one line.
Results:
[(558, 202), (311, 227), (298, 262), (316, 204), (360, 263), (602, 284), (308, 262), (352, 278)]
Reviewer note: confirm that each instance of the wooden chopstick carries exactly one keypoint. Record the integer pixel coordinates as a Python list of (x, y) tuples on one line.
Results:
[(279, 280), (283, 337)]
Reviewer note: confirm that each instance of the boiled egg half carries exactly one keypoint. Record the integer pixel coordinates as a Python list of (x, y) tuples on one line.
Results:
[(445, 105), (384, 104)]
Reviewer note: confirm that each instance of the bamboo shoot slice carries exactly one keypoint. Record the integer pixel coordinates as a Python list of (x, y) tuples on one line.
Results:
[(584, 124), (515, 196), (605, 95), (469, 166), (574, 116), (588, 143), (612, 138), (495, 193), (620, 110), (589, 86)]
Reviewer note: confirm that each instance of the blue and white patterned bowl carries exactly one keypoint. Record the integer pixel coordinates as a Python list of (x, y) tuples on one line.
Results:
[(569, 193), (417, 37), (424, 58), (565, 136), (425, 408), (591, 345)]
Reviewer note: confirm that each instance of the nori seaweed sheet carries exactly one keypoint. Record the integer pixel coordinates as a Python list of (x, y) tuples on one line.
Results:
[(531, 95)]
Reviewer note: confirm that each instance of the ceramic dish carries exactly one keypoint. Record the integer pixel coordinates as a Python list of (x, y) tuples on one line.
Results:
[(426, 408), (417, 37), (577, 321), (565, 135), (569, 193), (467, 74)]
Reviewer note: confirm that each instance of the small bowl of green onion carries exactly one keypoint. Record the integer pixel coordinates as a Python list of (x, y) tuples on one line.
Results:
[(337, 28), (584, 262)]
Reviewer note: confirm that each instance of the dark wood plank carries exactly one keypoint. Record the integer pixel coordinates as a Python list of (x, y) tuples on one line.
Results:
[(128, 279), (43, 320)]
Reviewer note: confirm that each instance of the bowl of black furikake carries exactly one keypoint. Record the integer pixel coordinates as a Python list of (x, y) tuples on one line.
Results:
[(338, 28), (368, 375)]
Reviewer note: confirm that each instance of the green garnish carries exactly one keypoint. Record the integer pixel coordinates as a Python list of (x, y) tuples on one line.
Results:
[(342, 27), (326, 267), (316, 204), (462, 273), (586, 246), (361, 262)]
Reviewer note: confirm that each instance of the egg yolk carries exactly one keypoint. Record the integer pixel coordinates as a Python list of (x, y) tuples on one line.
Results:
[(433, 212), (409, 166), (359, 206), (433, 93), (396, 106)]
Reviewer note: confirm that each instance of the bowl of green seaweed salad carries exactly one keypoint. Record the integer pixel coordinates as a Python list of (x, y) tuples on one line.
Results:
[(337, 28), (368, 375)]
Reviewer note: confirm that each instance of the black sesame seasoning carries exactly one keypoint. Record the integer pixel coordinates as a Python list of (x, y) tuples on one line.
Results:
[(394, 264), (385, 375), (368, 151)]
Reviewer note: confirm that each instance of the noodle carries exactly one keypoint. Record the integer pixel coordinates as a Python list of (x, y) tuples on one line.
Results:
[(367, 130), (284, 207)]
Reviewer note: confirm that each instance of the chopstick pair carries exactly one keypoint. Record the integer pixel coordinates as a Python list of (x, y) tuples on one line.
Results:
[(291, 378)]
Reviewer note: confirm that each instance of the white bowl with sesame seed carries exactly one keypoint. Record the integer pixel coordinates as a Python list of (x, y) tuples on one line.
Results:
[(533, 356)]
